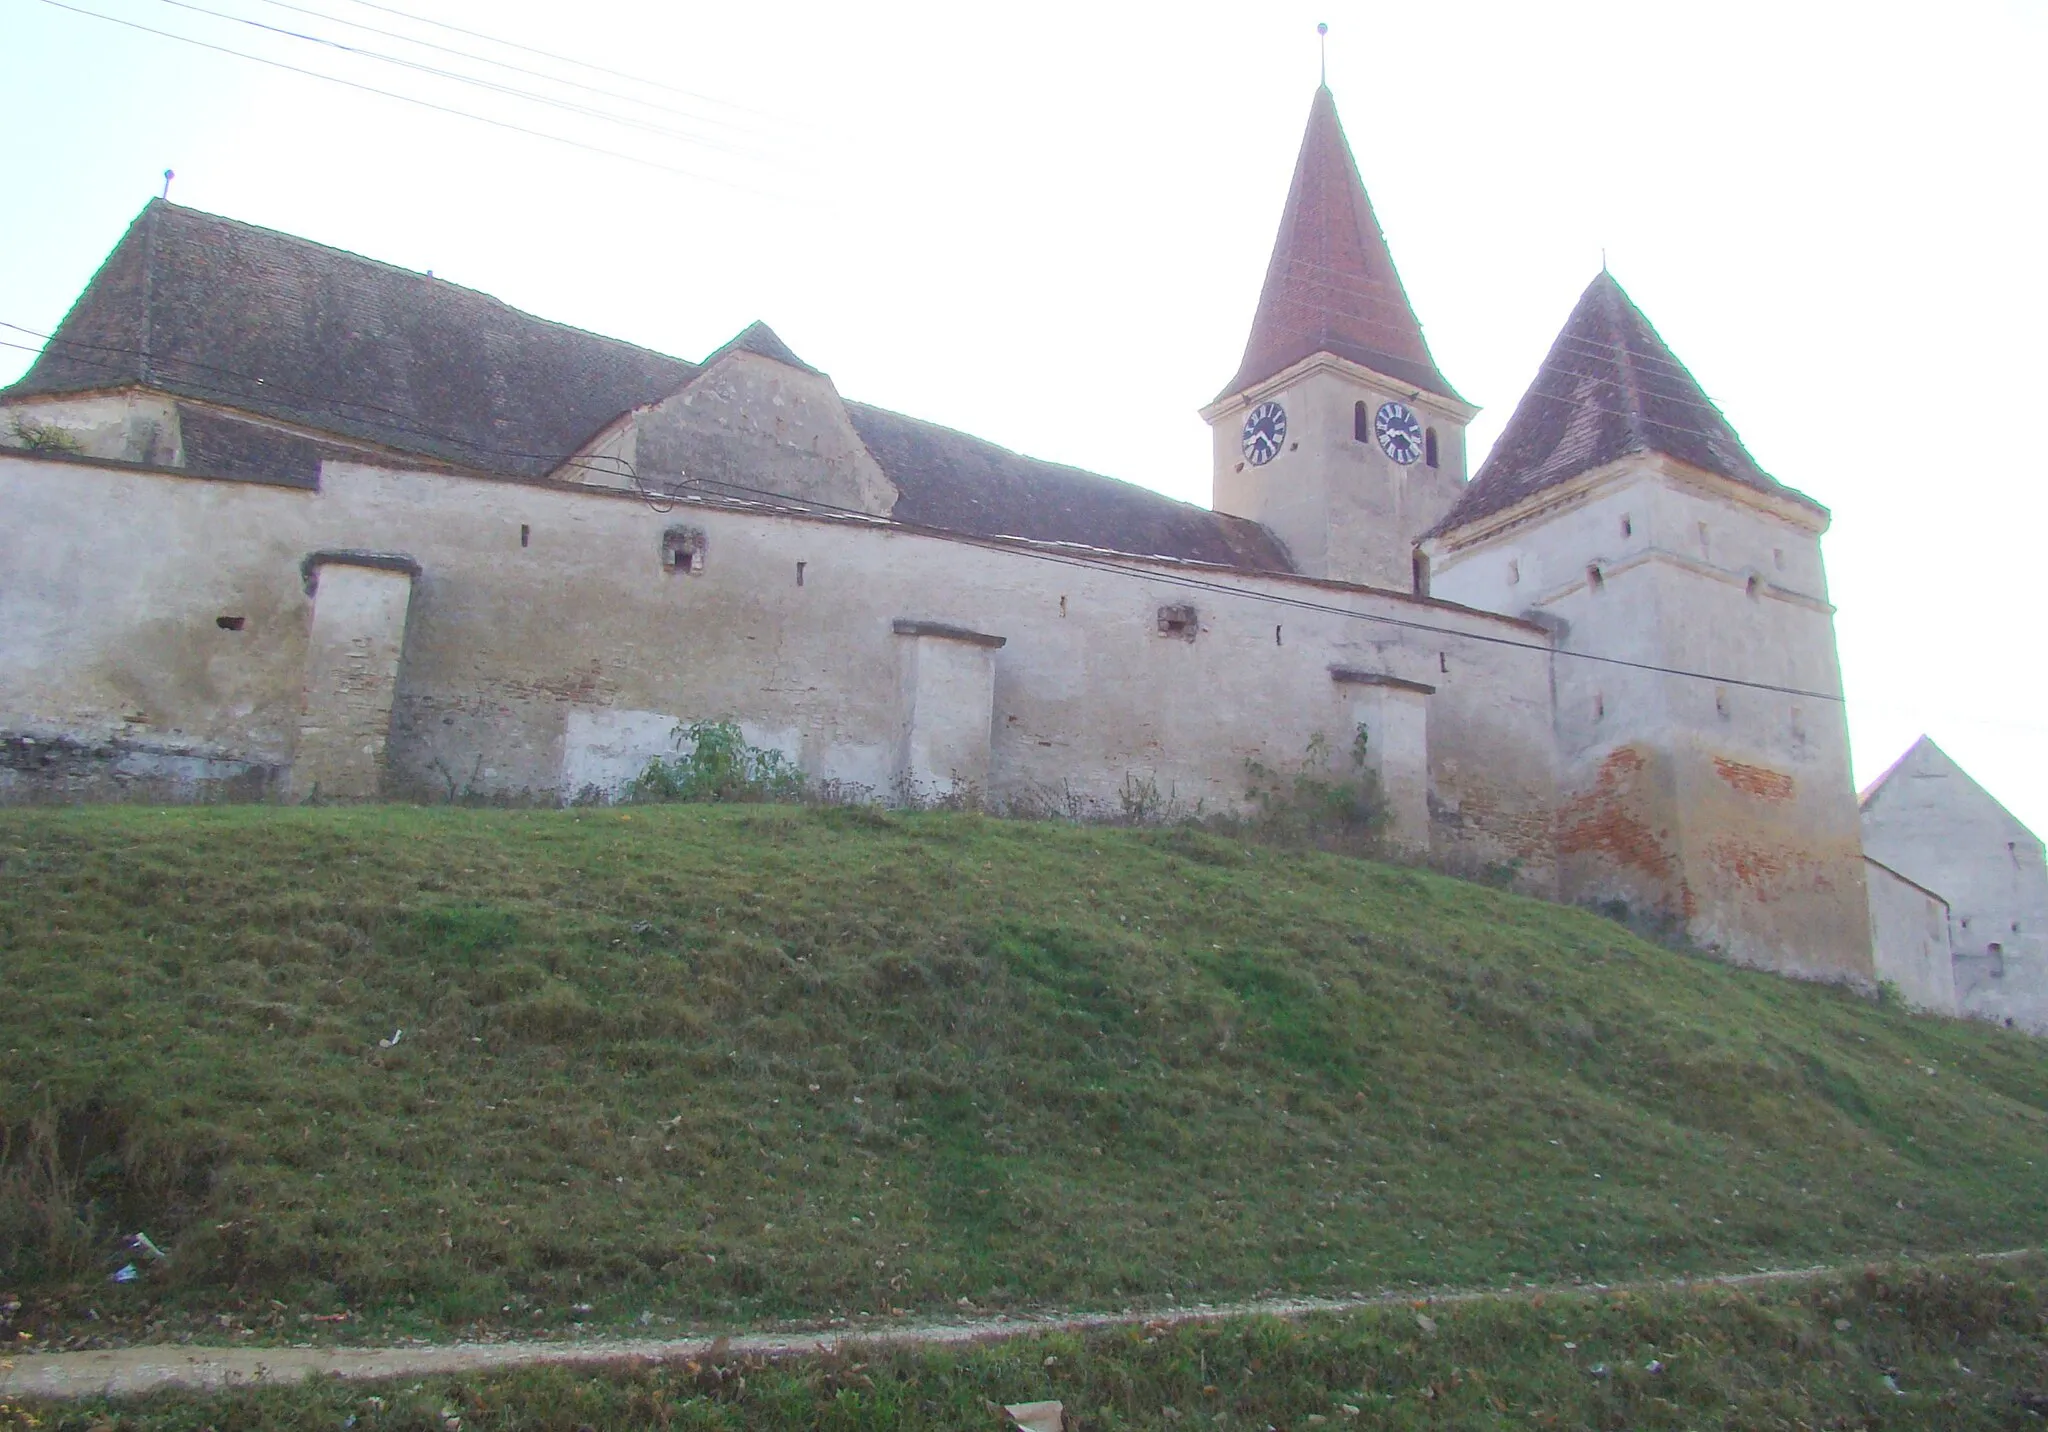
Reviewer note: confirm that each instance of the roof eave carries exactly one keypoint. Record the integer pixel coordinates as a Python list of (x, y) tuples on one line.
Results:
[(1443, 403)]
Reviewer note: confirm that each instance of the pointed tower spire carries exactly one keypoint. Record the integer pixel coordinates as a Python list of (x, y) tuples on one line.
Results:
[(1608, 388), (1331, 285)]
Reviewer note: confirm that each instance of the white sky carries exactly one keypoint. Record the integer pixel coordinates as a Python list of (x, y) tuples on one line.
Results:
[(1047, 224)]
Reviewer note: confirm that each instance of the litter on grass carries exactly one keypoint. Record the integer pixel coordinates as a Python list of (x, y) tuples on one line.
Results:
[(1038, 1416), (127, 1273)]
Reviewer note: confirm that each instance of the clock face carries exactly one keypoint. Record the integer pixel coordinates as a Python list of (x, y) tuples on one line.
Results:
[(1265, 428), (1399, 431)]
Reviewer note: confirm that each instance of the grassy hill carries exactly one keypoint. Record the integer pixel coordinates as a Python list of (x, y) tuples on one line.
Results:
[(719, 1065), (1951, 1345)]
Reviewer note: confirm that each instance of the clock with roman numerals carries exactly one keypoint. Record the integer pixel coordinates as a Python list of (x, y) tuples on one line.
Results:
[(1265, 429), (1399, 432)]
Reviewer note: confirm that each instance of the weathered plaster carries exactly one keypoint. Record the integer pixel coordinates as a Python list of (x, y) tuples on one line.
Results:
[(744, 423), (1704, 753), (513, 653), (1345, 509), (1909, 929), (1928, 820), (360, 603), (126, 426)]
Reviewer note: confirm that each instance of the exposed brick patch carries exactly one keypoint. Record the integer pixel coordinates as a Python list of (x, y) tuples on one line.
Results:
[(1603, 820), (1760, 870), (1759, 781)]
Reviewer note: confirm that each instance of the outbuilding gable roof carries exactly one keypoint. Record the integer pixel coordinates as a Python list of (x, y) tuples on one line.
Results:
[(1609, 387), (1331, 286), (228, 313), (1923, 759)]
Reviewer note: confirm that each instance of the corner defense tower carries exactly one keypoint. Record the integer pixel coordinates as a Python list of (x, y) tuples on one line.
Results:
[(1703, 753), (1338, 432)]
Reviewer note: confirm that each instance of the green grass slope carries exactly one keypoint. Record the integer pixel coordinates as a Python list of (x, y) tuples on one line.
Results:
[(723, 1065), (1957, 1346)]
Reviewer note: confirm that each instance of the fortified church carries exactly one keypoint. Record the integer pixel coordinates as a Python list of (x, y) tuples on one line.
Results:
[(287, 523)]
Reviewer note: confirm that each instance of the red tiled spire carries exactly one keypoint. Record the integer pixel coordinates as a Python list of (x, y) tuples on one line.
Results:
[(1331, 285)]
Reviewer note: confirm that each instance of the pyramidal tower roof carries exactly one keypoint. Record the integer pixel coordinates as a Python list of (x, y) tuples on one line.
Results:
[(1609, 387), (1331, 285)]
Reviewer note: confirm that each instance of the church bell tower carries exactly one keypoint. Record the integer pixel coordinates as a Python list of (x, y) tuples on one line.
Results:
[(1338, 432)]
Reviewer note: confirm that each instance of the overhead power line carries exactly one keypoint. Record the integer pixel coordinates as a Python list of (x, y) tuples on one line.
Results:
[(493, 86), (1107, 564), (509, 66), (404, 98), (561, 59)]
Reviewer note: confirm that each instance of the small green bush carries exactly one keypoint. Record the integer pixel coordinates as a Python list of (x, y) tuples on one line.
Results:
[(1322, 804), (717, 764), (43, 437)]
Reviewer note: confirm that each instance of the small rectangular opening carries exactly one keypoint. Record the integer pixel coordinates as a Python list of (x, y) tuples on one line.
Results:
[(682, 549), (1178, 622), (525, 535), (230, 623), (800, 572)]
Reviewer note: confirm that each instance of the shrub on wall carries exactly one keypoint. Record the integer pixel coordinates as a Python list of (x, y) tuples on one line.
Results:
[(43, 437), (1325, 802), (717, 764)]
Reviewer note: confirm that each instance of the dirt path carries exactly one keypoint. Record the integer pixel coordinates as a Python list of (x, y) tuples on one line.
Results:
[(128, 1371)]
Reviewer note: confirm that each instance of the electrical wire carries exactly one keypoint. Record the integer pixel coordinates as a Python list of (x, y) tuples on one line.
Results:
[(401, 421), (508, 65), (567, 106), (406, 98), (1578, 403), (562, 59), (691, 488)]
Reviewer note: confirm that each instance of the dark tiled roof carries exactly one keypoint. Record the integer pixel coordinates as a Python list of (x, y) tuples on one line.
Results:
[(229, 447), (208, 308), (950, 480), (1331, 285), (1608, 388), (214, 310)]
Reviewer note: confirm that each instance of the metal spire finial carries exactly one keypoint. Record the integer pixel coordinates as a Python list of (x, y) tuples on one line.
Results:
[(1323, 47), (169, 175)]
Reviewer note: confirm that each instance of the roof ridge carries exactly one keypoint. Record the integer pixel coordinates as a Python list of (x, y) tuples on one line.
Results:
[(1632, 382), (151, 228)]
